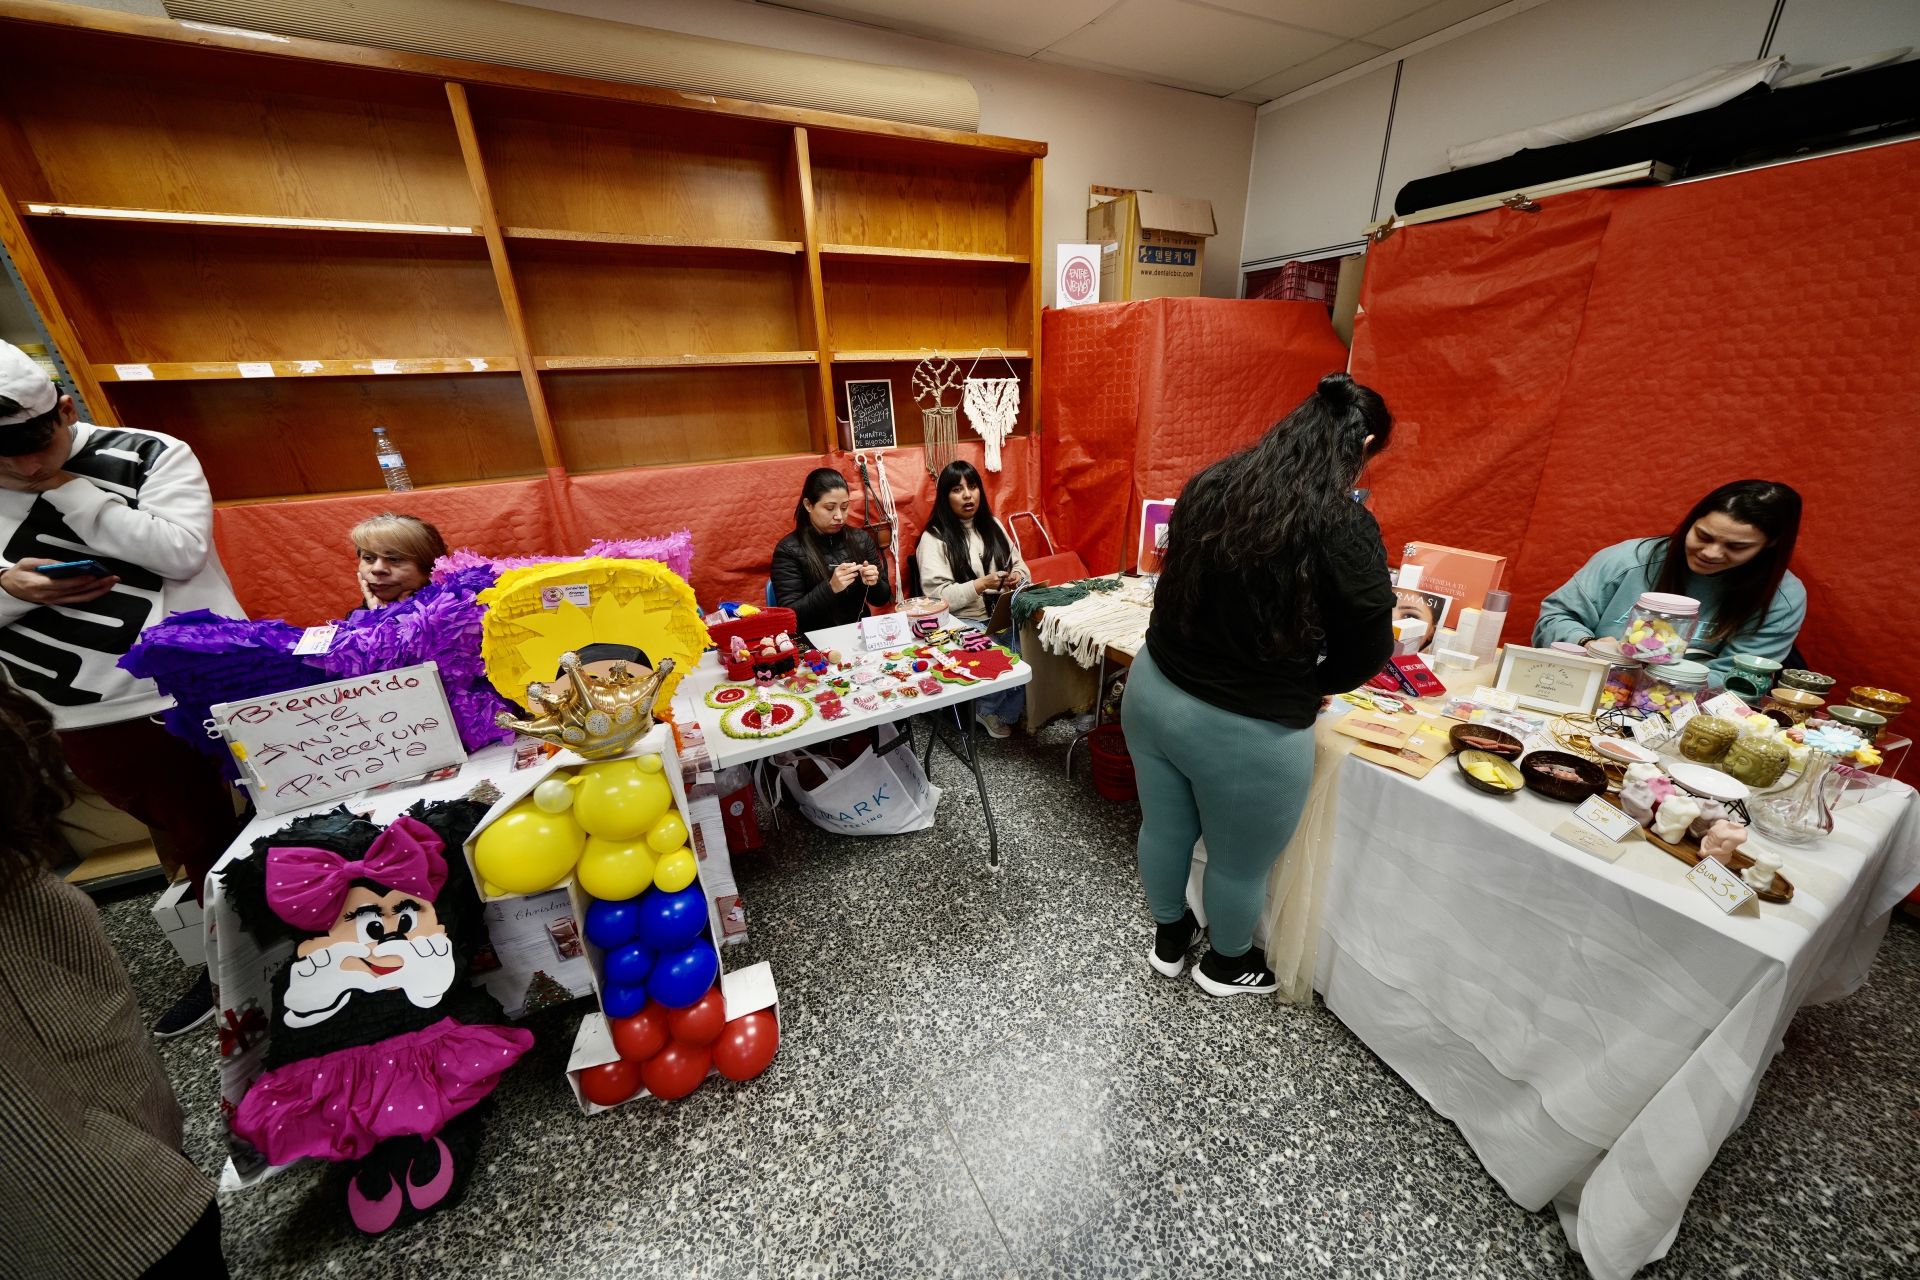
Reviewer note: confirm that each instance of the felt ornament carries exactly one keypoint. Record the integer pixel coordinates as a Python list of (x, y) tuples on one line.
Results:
[(380, 1051)]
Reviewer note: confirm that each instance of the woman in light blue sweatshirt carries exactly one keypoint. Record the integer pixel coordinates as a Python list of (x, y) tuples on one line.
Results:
[(1730, 554)]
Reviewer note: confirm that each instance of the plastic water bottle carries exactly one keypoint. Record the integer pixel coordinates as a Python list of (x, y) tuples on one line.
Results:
[(393, 467)]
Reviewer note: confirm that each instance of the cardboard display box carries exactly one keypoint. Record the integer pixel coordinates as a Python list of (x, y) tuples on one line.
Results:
[(745, 991), (1153, 245), (179, 917)]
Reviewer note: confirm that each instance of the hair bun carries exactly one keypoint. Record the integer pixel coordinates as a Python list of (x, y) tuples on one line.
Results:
[(1336, 389)]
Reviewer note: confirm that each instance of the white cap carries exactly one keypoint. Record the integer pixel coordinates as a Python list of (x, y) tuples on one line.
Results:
[(25, 383)]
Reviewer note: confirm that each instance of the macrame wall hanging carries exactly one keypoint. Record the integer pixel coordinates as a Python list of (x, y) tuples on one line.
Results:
[(992, 405), (933, 379)]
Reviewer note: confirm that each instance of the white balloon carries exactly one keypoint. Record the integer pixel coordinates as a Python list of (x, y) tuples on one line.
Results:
[(553, 795)]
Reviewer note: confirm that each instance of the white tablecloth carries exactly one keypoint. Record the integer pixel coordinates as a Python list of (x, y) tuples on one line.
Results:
[(1595, 1030)]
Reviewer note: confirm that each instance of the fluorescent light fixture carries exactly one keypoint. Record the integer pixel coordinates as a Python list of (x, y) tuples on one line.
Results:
[(241, 220)]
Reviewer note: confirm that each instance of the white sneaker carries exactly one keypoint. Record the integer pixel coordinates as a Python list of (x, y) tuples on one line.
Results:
[(996, 727)]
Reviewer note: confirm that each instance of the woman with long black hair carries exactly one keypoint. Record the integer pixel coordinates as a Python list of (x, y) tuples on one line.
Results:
[(824, 571), (1274, 593), (1730, 553), (966, 558)]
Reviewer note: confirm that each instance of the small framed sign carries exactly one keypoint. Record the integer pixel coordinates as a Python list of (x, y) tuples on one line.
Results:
[(1548, 680), (870, 411)]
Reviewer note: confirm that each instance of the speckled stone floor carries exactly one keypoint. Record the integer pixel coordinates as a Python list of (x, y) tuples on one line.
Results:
[(981, 1077)]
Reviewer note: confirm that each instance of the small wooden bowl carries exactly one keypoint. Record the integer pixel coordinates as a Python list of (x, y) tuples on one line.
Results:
[(1545, 773), (1508, 770), (1480, 737)]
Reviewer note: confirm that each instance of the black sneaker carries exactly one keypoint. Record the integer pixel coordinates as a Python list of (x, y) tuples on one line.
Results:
[(1171, 942), (189, 1011), (1246, 975)]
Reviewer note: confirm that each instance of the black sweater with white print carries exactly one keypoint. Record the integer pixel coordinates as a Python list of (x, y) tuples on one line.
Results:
[(141, 507)]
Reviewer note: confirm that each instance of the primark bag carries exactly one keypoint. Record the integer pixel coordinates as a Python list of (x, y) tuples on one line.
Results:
[(883, 793)]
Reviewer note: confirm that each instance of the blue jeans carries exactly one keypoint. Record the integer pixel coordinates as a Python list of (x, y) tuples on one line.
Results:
[(1008, 704)]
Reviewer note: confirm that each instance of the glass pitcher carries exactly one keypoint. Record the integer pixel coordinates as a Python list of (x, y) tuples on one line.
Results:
[(1803, 813)]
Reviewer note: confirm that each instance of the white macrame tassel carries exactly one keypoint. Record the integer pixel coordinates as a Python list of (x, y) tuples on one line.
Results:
[(993, 406)]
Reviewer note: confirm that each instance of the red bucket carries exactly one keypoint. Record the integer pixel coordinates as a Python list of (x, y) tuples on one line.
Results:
[(1112, 765)]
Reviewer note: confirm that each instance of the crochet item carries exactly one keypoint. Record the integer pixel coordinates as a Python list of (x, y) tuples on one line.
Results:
[(782, 714), (1034, 599)]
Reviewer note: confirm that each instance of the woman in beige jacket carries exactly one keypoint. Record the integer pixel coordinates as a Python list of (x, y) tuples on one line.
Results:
[(967, 559)]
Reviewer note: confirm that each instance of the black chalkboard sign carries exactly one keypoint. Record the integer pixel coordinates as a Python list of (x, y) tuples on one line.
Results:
[(870, 410)]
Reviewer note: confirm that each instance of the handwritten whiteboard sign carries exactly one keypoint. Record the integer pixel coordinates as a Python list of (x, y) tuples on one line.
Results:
[(327, 741)]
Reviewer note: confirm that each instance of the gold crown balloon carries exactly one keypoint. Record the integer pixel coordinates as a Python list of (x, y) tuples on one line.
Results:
[(596, 716)]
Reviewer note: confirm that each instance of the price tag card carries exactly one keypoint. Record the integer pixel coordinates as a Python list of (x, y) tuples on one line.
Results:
[(1681, 714), (1538, 742), (1587, 840), (1723, 888), (1649, 733), (1729, 705), (885, 631), (1499, 699), (1605, 819), (575, 593), (315, 640)]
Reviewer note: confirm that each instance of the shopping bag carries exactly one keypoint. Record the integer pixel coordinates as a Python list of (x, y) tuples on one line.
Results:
[(883, 793)]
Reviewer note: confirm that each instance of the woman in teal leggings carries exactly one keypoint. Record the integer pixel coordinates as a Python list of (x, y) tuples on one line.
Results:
[(1274, 593)]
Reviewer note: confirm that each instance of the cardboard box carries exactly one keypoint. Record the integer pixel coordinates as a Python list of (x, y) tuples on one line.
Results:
[(179, 917), (1152, 245)]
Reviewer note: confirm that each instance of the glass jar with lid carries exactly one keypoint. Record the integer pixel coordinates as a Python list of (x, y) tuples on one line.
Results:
[(1707, 738), (1664, 688), (1660, 628), (1757, 760)]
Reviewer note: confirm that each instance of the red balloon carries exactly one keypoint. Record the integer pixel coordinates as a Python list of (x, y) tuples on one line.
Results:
[(644, 1034), (611, 1083), (701, 1023), (746, 1045), (676, 1070)]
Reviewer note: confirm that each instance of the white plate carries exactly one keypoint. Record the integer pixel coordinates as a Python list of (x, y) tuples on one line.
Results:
[(1711, 783), (1623, 751)]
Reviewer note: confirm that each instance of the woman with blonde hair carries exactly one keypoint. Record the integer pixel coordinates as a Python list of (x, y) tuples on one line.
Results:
[(396, 555)]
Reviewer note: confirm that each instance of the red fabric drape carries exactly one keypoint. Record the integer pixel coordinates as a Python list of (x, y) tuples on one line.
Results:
[(1584, 374)]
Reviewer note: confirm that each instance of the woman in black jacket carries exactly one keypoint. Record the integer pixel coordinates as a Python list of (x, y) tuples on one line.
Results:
[(824, 571), (1274, 593)]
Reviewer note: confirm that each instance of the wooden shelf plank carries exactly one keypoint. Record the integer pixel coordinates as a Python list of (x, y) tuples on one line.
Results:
[(370, 493), (562, 364), (245, 221), (705, 244), (862, 252), (218, 370), (950, 353)]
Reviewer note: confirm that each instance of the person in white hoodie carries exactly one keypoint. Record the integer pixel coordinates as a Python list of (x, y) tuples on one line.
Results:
[(966, 558), (135, 504)]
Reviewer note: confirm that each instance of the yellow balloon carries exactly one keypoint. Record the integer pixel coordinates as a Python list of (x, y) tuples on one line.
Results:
[(553, 794), (616, 800), (526, 849), (651, 763), (667, 834), (675, 871), (615, 870)]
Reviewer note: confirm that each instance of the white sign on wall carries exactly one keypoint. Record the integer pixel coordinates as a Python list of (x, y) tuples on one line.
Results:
[(1076, 277)]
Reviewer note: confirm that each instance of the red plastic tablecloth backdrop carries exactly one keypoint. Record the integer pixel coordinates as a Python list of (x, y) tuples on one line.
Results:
[(1581, 375), (292, 560), (1137, 396)]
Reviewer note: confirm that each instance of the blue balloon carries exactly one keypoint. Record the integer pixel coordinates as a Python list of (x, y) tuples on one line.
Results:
[(613, 924), (669, 921), (680, 979), (629, 966), (623, 1002)]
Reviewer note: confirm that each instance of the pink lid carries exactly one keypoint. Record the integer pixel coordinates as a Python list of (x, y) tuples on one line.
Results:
[(1675, 606)]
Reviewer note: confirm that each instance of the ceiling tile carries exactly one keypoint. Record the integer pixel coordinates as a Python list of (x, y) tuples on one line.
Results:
[(1427, 21), (1210, 49), (1339, 17), (1012, 26), (1334, 61)]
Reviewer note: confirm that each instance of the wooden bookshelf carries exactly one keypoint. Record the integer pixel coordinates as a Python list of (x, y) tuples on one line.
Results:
[(267, 248)]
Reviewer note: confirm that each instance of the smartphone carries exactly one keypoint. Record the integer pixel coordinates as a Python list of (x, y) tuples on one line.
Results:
[(74, 569)]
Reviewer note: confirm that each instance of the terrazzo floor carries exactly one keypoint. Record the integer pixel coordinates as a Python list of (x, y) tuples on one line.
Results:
[(981, 1077)]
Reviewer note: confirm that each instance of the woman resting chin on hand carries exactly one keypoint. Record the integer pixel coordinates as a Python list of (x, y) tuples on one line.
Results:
[(394, 558)]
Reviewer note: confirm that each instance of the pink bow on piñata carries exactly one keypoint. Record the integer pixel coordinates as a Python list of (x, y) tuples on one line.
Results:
[(305, 886)]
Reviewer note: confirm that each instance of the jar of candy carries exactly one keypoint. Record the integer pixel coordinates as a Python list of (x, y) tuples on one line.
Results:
[(1660, 628), (1706, 739), (1616, 692), (1752, 676), (1662, 689), (1756, 760)]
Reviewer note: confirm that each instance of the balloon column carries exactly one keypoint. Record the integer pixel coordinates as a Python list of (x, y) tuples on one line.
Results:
[(661, 972)]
